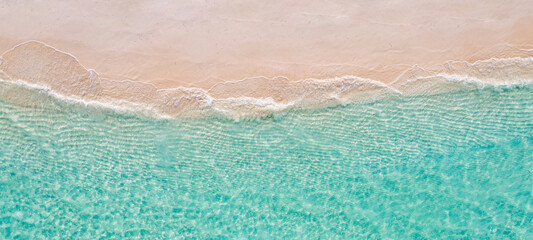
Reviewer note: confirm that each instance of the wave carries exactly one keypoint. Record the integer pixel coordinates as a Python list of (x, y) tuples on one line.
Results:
[(37, 66)]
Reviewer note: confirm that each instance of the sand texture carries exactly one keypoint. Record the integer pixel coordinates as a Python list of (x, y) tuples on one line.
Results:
[(261, 56)]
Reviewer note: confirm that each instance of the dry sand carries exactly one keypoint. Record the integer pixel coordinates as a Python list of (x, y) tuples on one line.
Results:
[(200, 43)]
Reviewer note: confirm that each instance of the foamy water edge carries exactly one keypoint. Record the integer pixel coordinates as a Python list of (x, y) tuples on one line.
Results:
[(39, 67)]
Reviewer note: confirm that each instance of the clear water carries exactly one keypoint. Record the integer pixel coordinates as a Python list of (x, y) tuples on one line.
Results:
[(455, 165)]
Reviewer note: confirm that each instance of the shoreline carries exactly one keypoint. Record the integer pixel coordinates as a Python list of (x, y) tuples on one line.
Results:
[(39, 96), (251, 58), (38, 65)]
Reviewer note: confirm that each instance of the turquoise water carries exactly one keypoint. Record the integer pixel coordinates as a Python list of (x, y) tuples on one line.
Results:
[(456, 165)]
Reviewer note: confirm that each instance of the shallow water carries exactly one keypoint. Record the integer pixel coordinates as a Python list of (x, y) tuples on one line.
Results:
[(455, 165)]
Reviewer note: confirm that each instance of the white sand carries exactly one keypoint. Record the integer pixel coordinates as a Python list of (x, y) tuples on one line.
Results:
[(199, 43), (269, 47)]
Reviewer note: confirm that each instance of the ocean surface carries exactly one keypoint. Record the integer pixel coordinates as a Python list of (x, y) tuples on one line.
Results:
[(455, 165)]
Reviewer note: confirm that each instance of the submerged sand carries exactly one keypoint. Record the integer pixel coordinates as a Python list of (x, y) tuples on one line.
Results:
[(191, 54)]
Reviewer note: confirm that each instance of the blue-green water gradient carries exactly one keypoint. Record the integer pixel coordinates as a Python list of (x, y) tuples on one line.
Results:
[(455, 165)]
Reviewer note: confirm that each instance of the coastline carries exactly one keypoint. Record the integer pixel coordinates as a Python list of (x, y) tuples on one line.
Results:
[(36, 65), (251, 58), (293, 119)]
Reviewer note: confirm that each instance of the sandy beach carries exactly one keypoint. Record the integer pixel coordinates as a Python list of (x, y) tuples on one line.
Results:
[(205, 50), (258, 119), (200, 43)]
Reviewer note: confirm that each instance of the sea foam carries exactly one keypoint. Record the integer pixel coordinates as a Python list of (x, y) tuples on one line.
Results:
[(40, 67)]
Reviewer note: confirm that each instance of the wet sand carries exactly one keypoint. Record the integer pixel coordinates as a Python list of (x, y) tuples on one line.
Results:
[(252, 57)]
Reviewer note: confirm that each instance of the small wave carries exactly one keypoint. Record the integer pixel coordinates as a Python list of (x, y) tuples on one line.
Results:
[(37, 66)]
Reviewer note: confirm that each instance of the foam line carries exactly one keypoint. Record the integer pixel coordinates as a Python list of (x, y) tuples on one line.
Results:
[(43, 68)]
